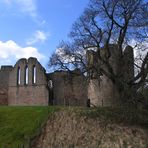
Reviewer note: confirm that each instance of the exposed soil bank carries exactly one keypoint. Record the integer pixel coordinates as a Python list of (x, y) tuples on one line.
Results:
[(68, 129)]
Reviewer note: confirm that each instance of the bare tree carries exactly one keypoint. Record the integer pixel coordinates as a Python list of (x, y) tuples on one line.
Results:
[(67, 57), (106, 22)]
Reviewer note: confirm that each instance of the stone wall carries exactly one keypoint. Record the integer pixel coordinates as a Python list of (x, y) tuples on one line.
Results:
[(31, 87), (128, 63), (101, 90), (4, 82), (28, 84), (69, 89)]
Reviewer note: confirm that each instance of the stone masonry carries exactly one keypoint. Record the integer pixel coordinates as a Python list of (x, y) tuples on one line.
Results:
[(4, 84), (101, 90), (69, 88), (27, 83), (31, 89)]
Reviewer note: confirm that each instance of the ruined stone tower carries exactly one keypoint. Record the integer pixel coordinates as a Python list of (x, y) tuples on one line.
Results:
[(101, 90)]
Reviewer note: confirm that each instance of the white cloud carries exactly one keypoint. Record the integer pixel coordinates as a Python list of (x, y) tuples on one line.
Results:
[(60, 51), (63, 56), (39, 36), (140, 48), (26, 6), (11, 51)]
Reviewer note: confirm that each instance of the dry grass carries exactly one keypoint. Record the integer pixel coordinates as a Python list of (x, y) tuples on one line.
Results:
[(93, 128)]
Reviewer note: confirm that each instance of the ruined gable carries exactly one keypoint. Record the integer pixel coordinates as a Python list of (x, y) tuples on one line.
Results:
[(28, 83)]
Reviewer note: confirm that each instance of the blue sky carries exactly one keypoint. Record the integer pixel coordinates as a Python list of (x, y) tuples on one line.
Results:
[(35, 27)]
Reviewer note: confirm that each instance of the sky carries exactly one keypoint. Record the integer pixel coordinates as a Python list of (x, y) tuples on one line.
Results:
[(34, 28)]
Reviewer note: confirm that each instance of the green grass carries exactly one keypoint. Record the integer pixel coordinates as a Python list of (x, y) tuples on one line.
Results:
[(124, 115), (19, 124)]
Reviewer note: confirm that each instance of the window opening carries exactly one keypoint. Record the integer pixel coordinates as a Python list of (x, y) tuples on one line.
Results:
[(34, 75), (26, 75), (18, 76)]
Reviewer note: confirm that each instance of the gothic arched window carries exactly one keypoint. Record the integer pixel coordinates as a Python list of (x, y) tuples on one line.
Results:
[(18, 76), (34, 75), (26, 75)]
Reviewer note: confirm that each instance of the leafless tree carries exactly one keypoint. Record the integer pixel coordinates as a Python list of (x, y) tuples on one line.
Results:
[(106, 22)]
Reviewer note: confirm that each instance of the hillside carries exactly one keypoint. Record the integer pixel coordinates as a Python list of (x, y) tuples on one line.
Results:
[(93, 128), (18, 125), (70, 127)]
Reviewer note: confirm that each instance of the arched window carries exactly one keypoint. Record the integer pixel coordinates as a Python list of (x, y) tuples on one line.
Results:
[(26, 75), (50, 84), (18, 76), (34, 75)]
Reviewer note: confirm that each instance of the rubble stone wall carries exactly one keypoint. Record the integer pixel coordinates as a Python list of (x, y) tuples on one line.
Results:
[(69, 89), (101, 90), (4, 83)]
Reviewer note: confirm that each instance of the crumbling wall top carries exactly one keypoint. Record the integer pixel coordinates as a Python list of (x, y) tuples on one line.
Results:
[(6, 68)]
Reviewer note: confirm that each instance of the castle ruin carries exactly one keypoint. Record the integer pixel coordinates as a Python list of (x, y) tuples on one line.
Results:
[(27, 83)]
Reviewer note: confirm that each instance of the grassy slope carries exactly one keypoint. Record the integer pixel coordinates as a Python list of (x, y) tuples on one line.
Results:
[(19, 124)]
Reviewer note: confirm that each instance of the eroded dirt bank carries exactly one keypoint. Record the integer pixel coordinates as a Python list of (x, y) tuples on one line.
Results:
[(67, 129)]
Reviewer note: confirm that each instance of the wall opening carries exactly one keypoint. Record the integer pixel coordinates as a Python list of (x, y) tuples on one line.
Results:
[(50, 88), (18, 76), (34, 75), (26, 75), (50, 84)]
